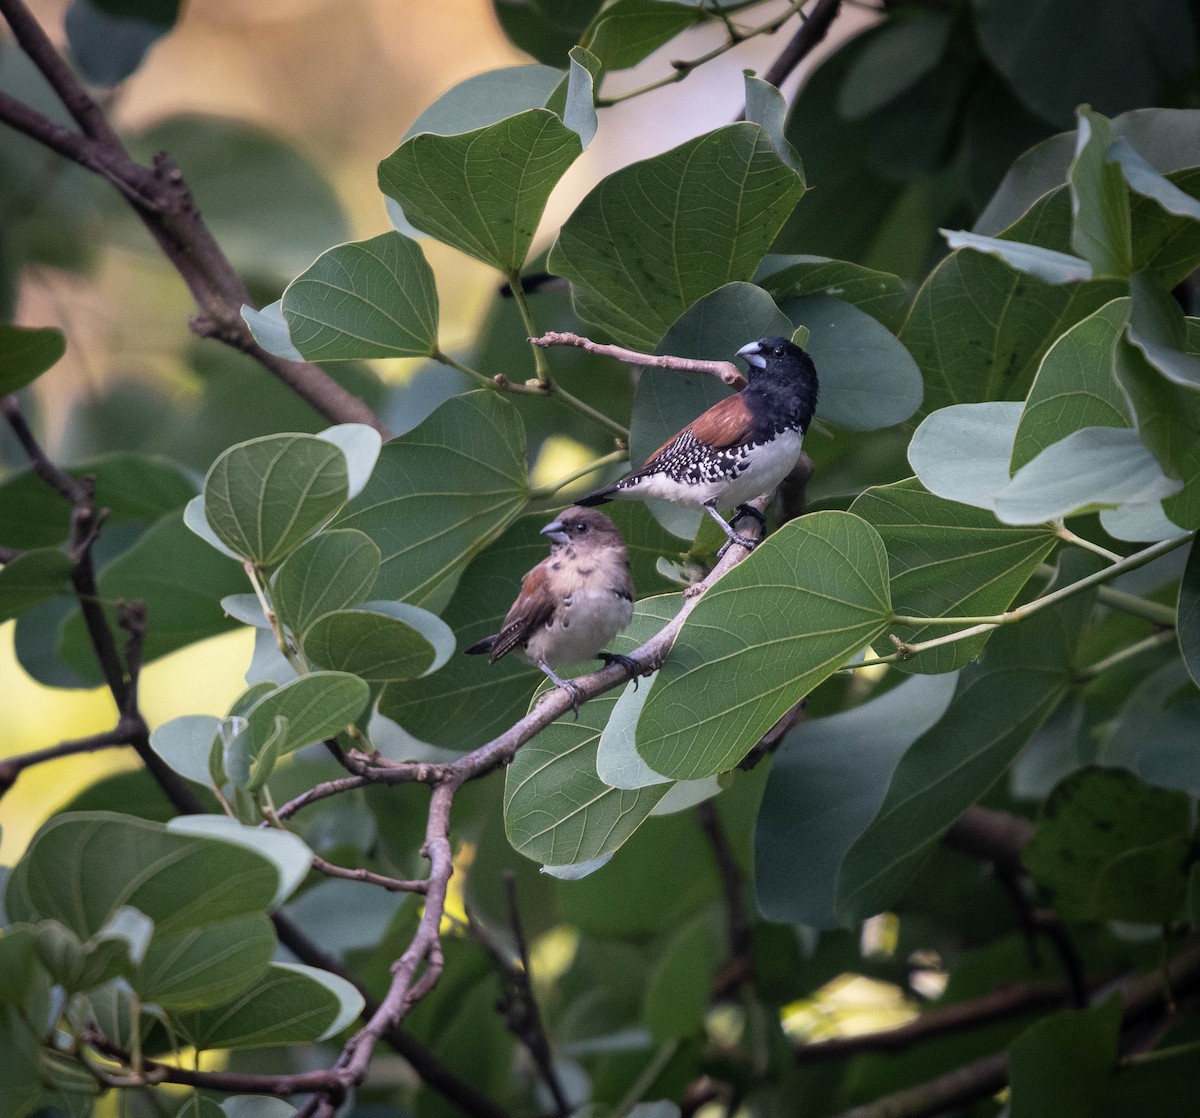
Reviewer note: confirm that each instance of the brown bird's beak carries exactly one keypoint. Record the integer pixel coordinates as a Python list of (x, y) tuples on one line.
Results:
[(556, 531)]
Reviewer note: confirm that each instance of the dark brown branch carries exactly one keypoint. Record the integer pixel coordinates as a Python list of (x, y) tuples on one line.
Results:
[(801, 45), (164, 202), (725, 371), (53, 475), (995, 836), (740, 965), (391, 884), (12, 767), (517, 1002), (1002, 1005)]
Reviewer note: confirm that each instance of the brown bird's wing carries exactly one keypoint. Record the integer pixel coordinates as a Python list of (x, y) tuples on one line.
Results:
[(532, 609), (727, 423)]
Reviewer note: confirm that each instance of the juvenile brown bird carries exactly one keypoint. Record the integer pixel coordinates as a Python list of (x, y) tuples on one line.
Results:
[(572, 603), (742, 447)]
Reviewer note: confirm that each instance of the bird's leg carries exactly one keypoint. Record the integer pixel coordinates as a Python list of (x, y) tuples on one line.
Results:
[(566, 684), (710, 507), (627, 662)]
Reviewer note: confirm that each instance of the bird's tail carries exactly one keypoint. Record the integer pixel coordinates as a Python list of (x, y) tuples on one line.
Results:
[(599, 497), (479, 648)]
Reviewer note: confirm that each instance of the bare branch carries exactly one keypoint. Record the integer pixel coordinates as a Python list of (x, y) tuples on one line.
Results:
[(725, 371), (997, 836), (164, 202), (391, 884), (740, 965), (12, 767), (811, 32)]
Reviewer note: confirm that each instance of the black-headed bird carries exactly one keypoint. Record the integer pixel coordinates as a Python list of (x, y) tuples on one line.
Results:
[(739, 449), (572, 603)]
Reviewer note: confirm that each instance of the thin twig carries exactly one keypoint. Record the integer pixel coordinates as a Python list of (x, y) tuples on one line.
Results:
[(391, 884), (12, 767), (813, 30), (725, 371), (740, 966)]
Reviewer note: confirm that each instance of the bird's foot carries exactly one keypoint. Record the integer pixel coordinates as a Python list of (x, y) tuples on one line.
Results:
[(627, 662), (750, 511), (741, 541), (571, 688)]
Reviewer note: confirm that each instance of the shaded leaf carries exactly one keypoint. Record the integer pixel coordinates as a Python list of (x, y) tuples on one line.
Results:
[(317, 705), (440, 494), (206, 966), (1109, 847), (1101, 231), (334, 570), (291, 1004), (880, 294), (630, 30), (826, 785), (948, 559), (1045, 264), (109, 40), (374, 646), (808, 598), (1188, 623), (26, 352), (32, 578), (962, 452), (186, 743), (678, 990)]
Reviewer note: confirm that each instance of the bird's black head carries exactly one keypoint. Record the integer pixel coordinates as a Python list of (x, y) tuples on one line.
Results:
[(785, 373)]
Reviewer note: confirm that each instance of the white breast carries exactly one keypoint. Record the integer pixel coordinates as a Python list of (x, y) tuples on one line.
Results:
[(581, 628)]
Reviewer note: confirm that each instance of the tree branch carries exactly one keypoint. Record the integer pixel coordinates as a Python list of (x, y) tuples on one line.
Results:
[(811, 32), (12, 767), (164, 203), (725, 371), (391, 884), (740, 966)]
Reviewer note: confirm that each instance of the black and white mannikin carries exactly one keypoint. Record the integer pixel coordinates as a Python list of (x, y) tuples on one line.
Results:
[(572, 603), (740, 448)]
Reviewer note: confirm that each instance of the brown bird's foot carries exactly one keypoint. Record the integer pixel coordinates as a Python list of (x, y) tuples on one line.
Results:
[(750, 511), (566, 685), (627, 662)]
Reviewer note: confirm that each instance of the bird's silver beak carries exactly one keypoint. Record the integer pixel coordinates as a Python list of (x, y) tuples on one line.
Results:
[(753, 355), (556, 531)]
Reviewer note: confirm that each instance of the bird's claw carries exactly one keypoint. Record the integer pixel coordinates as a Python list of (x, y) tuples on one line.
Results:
[(576, 696), (627, 662), (741, 541)]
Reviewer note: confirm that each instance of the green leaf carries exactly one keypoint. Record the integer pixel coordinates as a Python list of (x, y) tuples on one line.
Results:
[(545, 29), (880, 294), (185, 744), (316, 706), (20, 1063), (1109, 847), (471, 450), (364, 299), (109, 40), (1101, 232), (31, 578), (893, 61), (868, 379), (1074, 54), (1168, 423), (630, 30), (289, 855), (1070, 392), (81, 867), (766, 107), (256, 1106), (999, 702), (962, 452), (948, 559), (1059, 1067), (263, 497), (180, 579), (291, 1004), (199, 1106), (1095, 466), (680, 985), (135, 488), (978, 329), (206, 966), (270, 330), (826, 785), (796, 610), (1187, 625), (721, 199), (361, 445), (27, 352), (332, 571), (557, 810), (483, 191), (618, 763), (1045, 264), (1142, 178), (372, 645), (1153, 734), (488, 98)]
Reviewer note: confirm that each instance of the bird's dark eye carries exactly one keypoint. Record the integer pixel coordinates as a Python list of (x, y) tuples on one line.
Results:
[(580, 527), (778, 351)]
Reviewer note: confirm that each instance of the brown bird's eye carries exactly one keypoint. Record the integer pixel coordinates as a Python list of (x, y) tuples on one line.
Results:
[(580, 527)]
